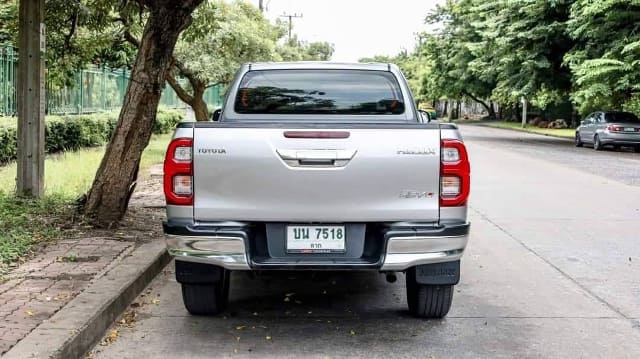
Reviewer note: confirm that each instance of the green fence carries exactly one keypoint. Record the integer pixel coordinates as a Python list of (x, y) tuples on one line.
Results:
[(95, 89), (8, 70)]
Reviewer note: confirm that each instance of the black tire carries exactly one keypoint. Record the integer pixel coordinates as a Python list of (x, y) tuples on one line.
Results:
[(636, 148), (597, 145), (579, 142), (206, 299), (428, 301)]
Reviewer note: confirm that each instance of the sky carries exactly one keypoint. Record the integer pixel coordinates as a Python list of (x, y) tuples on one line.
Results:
[(357, 28)]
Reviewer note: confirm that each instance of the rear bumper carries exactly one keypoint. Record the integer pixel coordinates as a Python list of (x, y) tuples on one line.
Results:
[(609, 138), (227, 245)]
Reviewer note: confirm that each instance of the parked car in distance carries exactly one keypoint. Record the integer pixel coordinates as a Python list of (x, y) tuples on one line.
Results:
[(609, 128)]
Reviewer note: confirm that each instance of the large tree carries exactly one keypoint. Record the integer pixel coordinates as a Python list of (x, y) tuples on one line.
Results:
[(112, 188), (222, 37), (606, 59)]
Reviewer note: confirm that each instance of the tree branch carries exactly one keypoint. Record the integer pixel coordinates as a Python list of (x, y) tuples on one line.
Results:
[(484, 104), (128, 36), (72, 30), (181, 92)]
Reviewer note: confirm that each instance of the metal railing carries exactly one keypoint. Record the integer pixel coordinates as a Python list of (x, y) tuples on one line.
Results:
[(94, 89)]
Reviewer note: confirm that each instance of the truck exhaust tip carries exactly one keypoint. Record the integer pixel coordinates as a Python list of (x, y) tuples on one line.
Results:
[(391, 277)]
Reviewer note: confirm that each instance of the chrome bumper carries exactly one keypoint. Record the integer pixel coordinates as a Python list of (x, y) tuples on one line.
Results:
[(406, 252), (224, 251), (402, 252)]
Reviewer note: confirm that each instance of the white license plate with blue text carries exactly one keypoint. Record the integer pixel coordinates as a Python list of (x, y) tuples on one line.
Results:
[(316, 239)]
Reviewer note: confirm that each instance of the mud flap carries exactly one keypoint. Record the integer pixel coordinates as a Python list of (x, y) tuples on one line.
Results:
[(439, 273), (198, 273)]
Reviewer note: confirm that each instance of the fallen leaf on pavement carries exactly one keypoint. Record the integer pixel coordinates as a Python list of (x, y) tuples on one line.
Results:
[(353, 333), (155, 301), (268, 337), (240, 327), (29, 313)]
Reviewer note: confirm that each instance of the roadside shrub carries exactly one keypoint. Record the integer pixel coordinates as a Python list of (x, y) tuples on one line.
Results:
[(73, 132)]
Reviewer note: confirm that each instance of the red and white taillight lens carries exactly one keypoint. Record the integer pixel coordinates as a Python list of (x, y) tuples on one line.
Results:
[(178, 172), (455, 174)]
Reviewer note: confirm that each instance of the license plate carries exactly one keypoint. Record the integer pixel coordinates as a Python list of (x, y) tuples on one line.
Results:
[(316, 239), (629, 129)]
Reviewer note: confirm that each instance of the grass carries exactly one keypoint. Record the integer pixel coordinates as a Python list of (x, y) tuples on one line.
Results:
[(565, 132), (24, 223), (8, 121), (70, 174)]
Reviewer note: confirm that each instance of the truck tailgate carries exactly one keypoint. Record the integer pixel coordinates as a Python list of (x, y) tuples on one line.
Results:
[(282, 175)]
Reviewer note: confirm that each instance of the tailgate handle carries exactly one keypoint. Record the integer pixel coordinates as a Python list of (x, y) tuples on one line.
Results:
[(323, 158)]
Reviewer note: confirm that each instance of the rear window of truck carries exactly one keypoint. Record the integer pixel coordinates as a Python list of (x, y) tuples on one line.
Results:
[(340, 92)]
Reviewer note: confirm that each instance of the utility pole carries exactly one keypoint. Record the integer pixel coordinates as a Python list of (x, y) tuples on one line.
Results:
[(291, 17), (524, 111), (261, 5), (31, 99)]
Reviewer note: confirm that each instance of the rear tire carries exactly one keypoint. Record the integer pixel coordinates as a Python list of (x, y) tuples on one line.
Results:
[(597, 145), (428, 301), (579, 142), (206, 298)]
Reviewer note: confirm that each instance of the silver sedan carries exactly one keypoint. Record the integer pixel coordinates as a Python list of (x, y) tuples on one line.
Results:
[(609, 128)]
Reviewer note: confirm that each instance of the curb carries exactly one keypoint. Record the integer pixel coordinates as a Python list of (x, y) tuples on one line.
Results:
[(519, 130), (79, 325)]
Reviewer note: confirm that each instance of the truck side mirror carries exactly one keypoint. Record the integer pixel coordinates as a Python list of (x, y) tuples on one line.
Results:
[(215, 117), (425, 116)]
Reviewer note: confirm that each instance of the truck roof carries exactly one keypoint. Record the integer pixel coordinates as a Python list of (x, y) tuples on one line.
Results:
[(319, 65)]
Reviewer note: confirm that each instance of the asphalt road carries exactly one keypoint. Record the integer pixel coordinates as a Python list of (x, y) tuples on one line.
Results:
[(552, 270)]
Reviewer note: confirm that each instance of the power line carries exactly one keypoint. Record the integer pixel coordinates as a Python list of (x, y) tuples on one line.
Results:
[(291, 17)]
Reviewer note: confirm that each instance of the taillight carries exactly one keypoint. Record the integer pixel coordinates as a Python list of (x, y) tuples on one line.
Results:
[(614, 128), (455, 174), (178, 172)]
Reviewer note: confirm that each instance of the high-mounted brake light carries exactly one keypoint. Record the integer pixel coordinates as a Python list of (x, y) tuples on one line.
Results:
[(178, 172), (317, 134), (455, 174)]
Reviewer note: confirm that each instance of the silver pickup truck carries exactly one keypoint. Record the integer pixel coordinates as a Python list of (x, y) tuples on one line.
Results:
[(312, 167)]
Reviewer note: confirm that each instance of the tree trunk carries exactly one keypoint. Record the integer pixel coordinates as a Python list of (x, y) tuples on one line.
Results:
[(199, 106), (490, 109), (196, 101), (446, 108), (112, 188)]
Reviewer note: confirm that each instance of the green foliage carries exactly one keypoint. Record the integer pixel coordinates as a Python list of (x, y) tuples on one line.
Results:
[(606, 60), (70, 133), (296, 50), (223, 36), (8, 22), (79, 32)]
